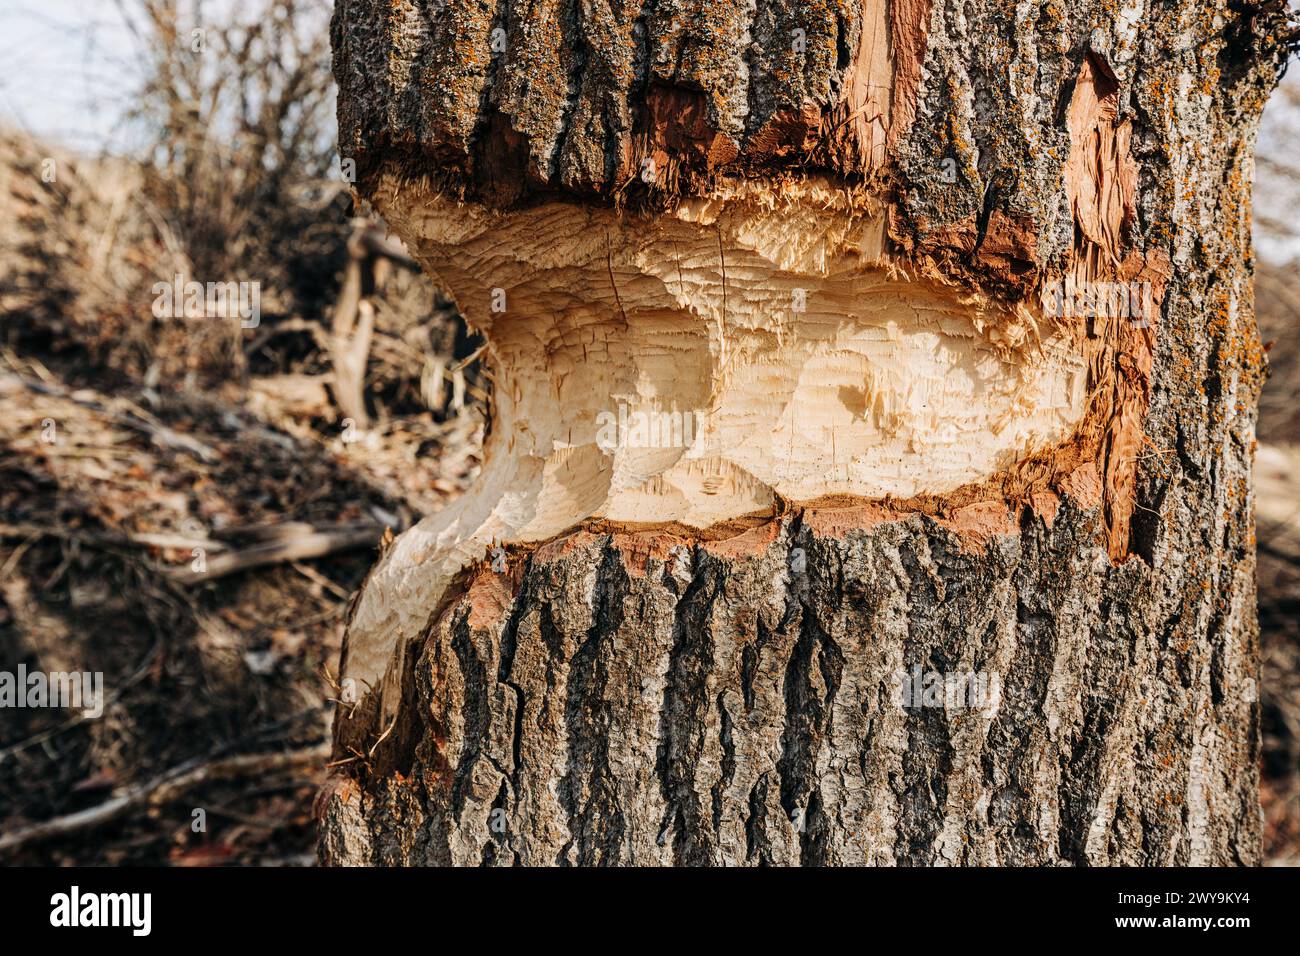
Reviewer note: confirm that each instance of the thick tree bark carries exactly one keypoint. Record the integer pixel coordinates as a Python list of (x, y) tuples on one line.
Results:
[(947, 574)]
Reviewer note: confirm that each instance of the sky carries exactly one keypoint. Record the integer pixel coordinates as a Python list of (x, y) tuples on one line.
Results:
[(66, 70)]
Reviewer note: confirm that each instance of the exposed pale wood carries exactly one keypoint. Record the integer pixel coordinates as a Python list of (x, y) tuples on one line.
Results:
[(640, 380)]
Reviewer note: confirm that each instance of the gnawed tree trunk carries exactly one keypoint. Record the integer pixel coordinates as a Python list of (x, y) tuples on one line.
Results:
[(833, 511)]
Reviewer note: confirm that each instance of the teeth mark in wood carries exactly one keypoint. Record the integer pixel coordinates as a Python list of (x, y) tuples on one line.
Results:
[(754, 347)]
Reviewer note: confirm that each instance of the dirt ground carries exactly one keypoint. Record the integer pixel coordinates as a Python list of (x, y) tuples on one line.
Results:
[(96, 524)]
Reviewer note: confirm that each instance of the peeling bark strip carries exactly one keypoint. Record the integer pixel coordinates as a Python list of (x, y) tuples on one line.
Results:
[(1101, 181), (827, 241)]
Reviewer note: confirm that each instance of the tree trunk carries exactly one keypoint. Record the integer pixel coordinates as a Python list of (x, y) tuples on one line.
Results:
[(869, 476)]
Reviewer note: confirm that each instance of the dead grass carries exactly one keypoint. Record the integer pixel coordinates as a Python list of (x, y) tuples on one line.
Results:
[(126, 439)]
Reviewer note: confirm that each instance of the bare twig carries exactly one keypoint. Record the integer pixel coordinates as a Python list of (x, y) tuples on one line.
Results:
[(166, 786), (311, 543)]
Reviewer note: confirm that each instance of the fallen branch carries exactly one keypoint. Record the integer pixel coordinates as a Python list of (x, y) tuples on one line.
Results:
[(276, 544), (162, 788), (306, 543), (296, 324), (377, 242), (371, 256)]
